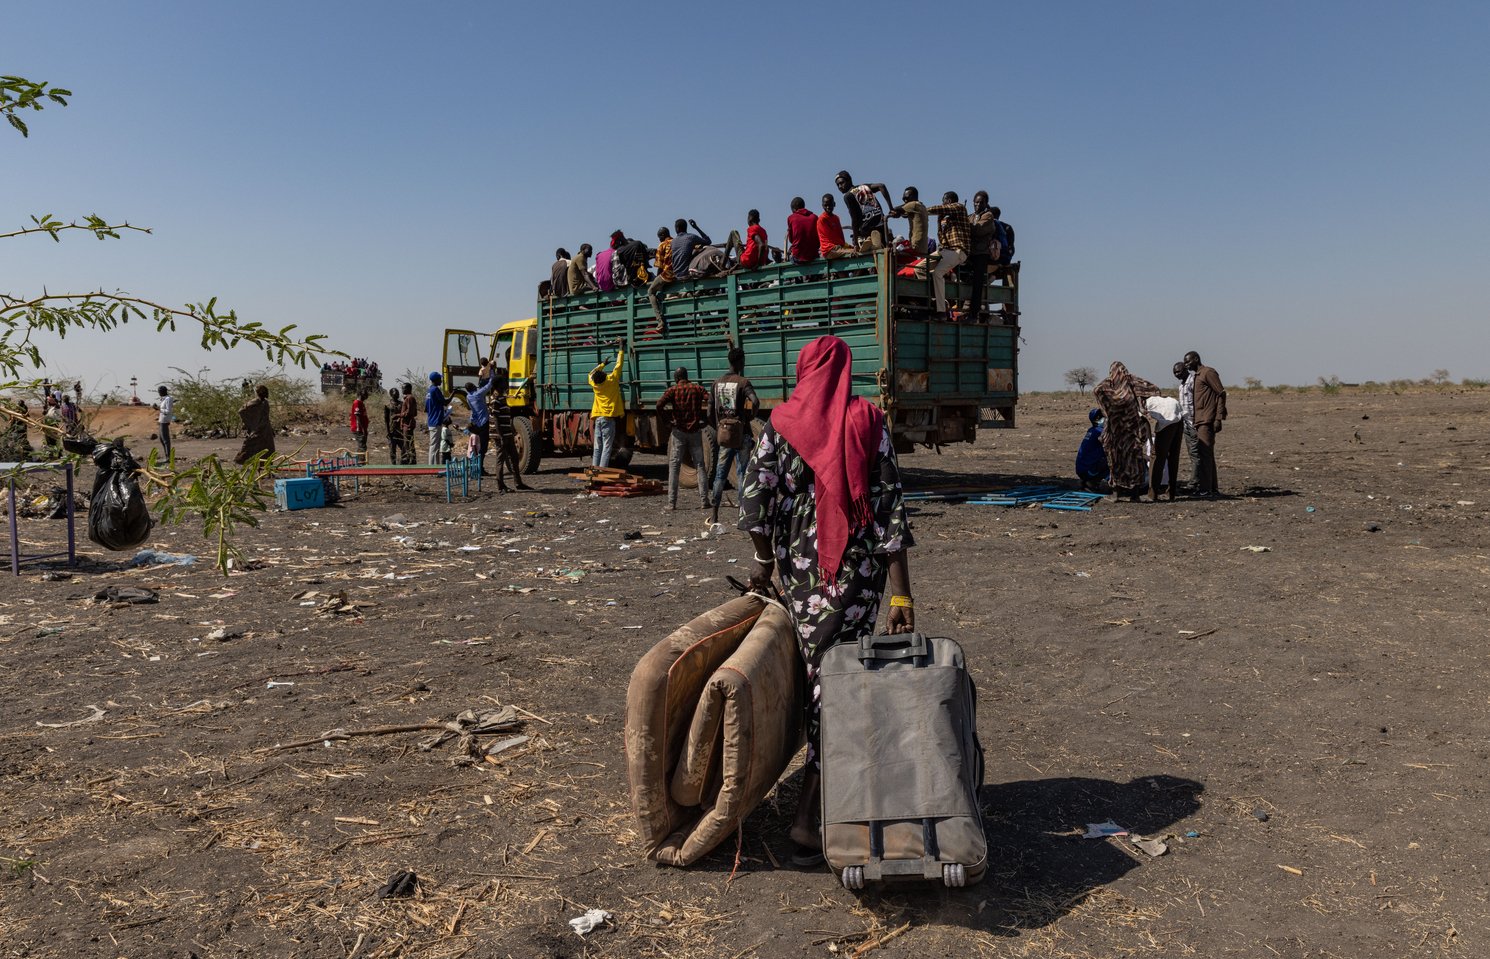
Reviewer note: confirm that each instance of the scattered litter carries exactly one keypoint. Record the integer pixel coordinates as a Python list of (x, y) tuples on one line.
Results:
[(1310, 509), (632, 535), (272, 683), (1082, 575), (1373, 527), (97, 715), (503, 745), (1257, 549), (401, 885), (126, 595), (156, 557), (674, 549), (1101, 830), (1192, 834), (469, 549), (1260, 815), (222, 634), (590, 921), (1291, 870), (55, 576), (1154, 847), (1464, 502)]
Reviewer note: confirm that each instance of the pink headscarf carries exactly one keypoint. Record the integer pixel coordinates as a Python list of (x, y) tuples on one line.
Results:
[(838, 435)]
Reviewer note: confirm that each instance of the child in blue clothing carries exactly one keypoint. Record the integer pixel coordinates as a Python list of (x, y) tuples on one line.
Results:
[(1091, 458)]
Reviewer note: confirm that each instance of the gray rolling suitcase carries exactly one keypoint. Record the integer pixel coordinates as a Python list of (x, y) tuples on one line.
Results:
[(901, 763)]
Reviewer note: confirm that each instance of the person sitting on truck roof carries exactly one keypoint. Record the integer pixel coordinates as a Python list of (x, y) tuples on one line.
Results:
[(559, 275), (801, 232), (607, 407), (665, 276), (866, 216), (683, 405), (633, 256), (953, 240), (708, 261), (830, 241), (685, 245), (581, 280), (605, 271), (753, 257), (914, 211), (1005, 236)]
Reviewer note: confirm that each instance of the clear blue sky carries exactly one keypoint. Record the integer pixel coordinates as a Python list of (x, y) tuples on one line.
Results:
[(1291, 189)]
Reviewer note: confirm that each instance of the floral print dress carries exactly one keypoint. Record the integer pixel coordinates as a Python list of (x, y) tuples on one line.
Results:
[(779, 500)]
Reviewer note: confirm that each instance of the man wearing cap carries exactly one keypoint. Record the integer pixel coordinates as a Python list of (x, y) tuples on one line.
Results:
[(435, 415), (683, 405)]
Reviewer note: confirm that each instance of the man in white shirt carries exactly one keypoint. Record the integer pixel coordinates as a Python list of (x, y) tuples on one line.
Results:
[(1187, 417), (167, 406), (1168, 424)]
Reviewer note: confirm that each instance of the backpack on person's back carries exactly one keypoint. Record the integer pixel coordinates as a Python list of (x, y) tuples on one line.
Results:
[(1005, 236)]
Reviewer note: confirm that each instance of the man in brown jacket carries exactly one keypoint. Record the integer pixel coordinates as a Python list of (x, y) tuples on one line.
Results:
[(1210, 411), (408, 414)]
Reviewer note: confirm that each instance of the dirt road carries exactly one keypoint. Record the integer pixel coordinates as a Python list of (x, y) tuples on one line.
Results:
[(1306, 725)]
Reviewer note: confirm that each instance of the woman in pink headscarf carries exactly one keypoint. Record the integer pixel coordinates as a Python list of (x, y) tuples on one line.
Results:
[(823, 504)]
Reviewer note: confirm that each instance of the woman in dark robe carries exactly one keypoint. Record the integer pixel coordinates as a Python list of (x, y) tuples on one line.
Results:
[(1121, 398), (822, 502), (258, 434)]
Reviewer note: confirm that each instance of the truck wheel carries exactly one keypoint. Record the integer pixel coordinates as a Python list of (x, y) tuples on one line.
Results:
[(711, 452), (620, 457), (529, 455)]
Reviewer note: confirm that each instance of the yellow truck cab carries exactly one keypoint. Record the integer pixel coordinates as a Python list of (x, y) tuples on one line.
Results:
[(514, 346)]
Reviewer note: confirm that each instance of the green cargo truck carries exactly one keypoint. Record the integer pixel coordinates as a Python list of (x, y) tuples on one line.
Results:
[(938, 381)]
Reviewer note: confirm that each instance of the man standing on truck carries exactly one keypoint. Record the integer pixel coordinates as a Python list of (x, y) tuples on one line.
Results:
[(953, 240), (559, 275), (984, 226), (801, 232), (831, 243), (914, 211), (665, 276), (684, 404), (606, 408), (732, 404), (866, 216)]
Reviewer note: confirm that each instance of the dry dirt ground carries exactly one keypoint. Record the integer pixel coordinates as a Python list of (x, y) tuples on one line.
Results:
[(1307, 725)]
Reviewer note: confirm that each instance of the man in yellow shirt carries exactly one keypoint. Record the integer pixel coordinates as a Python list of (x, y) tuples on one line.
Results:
[(607, 408)]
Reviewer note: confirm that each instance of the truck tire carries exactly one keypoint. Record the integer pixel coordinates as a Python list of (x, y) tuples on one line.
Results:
[(711, 454), (620, 457), (529, 454)]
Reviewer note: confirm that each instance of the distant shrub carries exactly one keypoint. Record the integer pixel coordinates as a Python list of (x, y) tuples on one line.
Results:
[(1253, 383), (207, 406), (1330, 384), (1474, 384)]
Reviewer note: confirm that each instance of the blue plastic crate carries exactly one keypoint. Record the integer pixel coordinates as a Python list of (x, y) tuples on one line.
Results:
[(299, 494)]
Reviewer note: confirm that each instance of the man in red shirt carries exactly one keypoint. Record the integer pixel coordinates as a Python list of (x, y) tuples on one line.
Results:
[(358, 421), (753, 256), (684, 407), (801, 232), (830, 241)]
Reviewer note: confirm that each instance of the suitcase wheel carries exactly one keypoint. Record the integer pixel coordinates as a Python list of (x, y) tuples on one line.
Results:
[(953, 875), (853, 877)]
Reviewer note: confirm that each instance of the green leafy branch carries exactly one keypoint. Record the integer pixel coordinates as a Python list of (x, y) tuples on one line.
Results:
[(18, 93), (223, 497), (53, 227)]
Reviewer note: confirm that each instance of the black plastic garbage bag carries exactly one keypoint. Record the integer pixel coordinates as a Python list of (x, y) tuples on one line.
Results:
[(118, 518)]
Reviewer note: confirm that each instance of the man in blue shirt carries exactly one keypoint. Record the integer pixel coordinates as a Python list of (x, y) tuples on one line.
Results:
[(436, 413), (481, 418)]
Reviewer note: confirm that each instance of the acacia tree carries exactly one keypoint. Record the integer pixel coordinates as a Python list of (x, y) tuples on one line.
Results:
[(1080, 377), (222, 496)]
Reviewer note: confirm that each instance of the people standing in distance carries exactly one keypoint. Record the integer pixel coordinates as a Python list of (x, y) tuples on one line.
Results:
[(1210, 412), (1187, 420), (732, 405), (167, 407), (357, 421), (435, 414), (408, 416), (1121, 397), (258, 432), (1168, 425), (393, 426), (683, 405)]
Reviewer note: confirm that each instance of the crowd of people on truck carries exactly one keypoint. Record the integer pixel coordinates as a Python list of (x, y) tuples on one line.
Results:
[(972, 241), (1133, 444), (354, 369)]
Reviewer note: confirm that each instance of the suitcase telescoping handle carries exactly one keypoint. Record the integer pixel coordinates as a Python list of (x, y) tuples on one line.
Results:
[(901, 646)]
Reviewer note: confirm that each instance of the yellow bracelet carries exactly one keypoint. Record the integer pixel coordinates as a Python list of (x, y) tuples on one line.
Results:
[(902, 602)]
